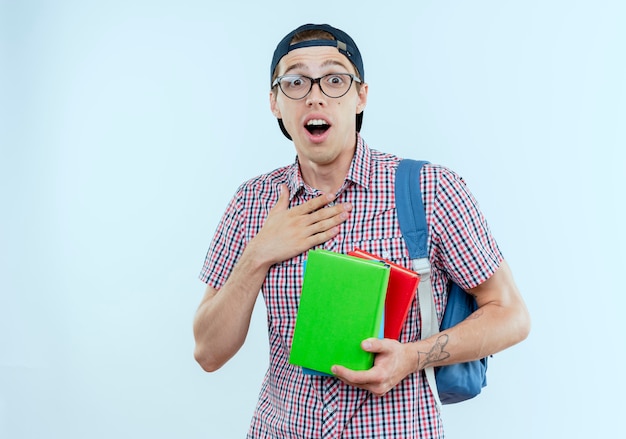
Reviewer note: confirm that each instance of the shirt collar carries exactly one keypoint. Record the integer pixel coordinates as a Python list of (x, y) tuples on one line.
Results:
[(359, 172), (360, 169)]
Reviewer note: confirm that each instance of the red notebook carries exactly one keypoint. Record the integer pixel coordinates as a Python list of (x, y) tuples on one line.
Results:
[(400, 293)]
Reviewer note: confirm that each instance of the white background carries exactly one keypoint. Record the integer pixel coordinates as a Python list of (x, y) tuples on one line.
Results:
[(125, 127)]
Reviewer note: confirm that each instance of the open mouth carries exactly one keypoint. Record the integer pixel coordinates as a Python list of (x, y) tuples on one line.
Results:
[(317, 127)]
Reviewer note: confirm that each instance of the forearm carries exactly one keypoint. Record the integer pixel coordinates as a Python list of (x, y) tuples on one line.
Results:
[(500, 321), (489, 330), (223, 317)]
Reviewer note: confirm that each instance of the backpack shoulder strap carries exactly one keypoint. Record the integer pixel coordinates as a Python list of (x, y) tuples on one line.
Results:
[(412, 219), (410, 207)]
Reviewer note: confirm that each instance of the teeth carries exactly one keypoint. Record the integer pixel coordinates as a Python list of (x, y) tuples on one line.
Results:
[(316, 122)]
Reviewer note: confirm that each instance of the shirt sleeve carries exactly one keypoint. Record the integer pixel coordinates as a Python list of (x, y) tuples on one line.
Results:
[(461, 242), (226, 247)]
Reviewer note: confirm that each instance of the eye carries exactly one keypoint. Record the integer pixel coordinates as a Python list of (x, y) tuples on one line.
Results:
[(335, 80), (293, 81)]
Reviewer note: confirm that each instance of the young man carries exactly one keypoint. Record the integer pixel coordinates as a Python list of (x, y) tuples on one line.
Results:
[(339, 195)]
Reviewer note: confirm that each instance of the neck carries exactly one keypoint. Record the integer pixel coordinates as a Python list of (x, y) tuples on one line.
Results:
[(327, 177)]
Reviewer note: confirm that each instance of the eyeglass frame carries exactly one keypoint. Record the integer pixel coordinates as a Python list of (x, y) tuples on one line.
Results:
[(317, 81)]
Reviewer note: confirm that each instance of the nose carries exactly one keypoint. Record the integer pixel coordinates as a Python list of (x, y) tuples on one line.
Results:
[(316, 95)]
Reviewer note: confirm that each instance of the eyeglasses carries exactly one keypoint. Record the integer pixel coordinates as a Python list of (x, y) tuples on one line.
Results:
[(333, 85)]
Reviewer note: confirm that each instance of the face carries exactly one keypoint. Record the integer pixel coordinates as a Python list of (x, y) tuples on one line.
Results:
[(323, 129)]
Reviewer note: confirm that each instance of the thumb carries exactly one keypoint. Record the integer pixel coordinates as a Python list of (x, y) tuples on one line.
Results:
[(374, 345)]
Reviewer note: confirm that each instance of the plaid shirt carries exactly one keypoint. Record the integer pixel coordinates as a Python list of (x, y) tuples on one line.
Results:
[(294, 405)]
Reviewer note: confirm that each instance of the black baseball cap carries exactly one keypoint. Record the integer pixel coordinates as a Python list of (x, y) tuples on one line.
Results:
[(344, 44)]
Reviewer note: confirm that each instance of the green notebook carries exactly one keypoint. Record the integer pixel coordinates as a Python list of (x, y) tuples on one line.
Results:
[(342, 303)]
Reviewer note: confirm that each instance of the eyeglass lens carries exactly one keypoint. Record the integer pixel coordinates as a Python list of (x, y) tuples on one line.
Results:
[(298, 86)]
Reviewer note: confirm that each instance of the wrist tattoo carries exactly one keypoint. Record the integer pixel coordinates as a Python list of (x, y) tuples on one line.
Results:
[(437, 353)]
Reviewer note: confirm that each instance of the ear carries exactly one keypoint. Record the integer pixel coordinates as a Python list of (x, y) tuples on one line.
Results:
[(274, 105), (362, 98)]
